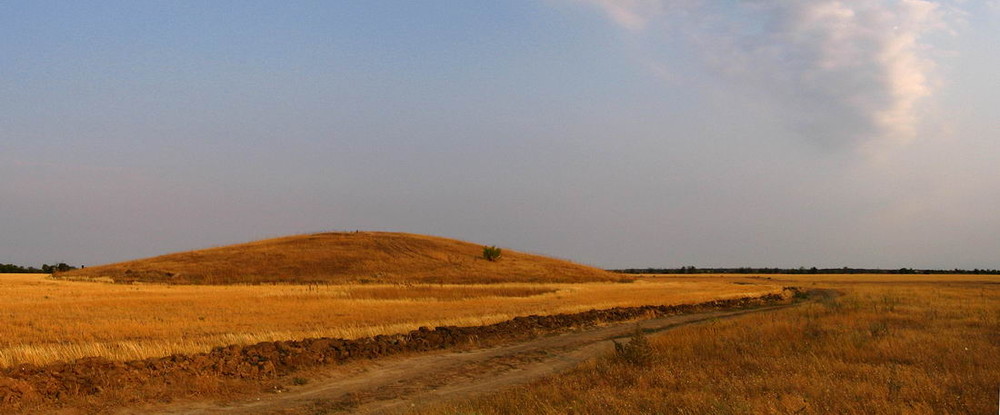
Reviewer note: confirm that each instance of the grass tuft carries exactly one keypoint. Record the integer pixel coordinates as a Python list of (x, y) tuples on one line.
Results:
[(637, 351)]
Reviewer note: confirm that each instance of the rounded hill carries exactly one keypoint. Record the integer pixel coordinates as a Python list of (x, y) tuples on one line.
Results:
[(345, 257)]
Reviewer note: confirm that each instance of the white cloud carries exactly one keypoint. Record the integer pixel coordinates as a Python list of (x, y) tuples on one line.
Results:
[(631, 14), (851, 71)]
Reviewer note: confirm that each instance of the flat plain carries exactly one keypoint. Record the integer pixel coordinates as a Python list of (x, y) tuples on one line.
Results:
[(195, 327), (47, 320), (887, 344)]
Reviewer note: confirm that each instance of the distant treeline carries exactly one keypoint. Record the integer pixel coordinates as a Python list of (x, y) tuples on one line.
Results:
[(45, 269), (800, 270)]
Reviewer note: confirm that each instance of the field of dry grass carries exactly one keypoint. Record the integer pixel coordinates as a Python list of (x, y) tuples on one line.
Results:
[(889, 345), (45, 320), (801, 279), (346, 257)]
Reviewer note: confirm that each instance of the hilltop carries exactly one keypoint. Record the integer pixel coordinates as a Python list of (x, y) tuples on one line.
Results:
[(345, 257)]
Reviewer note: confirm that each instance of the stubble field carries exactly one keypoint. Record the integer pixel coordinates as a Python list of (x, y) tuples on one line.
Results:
[(46, 320)]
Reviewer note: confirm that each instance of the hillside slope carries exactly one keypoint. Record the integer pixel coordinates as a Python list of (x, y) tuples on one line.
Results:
[(344, 257)]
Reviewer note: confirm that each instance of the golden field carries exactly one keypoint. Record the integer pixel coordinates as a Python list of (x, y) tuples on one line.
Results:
[(45, 319), (890, 344), (809, 279)]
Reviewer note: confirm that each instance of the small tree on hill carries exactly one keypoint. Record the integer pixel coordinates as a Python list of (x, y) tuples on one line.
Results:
[(491, 253)]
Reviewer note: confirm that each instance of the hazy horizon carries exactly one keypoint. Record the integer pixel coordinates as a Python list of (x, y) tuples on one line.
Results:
[(620, 134)]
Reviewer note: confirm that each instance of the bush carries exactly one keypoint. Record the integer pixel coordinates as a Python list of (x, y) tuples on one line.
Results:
[(491, 253), (638, 351)]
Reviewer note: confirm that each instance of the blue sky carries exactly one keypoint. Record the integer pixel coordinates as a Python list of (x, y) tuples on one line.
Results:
[(613, 133)]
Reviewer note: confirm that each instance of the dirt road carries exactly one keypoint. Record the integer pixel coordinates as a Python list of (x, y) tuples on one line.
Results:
[(394, 385)]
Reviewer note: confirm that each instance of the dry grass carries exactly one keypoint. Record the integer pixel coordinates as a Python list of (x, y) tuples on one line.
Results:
[(899, 347), (827, 278), (44, 320), (346, 257)]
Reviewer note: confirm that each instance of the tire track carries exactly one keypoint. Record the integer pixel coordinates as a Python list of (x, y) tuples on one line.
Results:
[(396, 385)]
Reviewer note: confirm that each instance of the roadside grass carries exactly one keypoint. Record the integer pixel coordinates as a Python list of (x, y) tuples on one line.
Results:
[(43, 320), (878, 349)]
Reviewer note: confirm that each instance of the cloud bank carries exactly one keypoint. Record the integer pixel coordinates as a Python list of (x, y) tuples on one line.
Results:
[(851, 72)]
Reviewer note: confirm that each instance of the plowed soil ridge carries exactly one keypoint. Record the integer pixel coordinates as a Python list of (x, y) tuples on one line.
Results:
[(24, 386)]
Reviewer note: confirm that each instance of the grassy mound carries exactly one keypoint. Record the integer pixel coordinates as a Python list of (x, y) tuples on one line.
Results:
[(345, 257)]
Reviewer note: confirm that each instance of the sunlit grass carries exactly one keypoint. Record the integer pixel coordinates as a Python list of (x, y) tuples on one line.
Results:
[(344, 258), (897, 348), (44, 320)]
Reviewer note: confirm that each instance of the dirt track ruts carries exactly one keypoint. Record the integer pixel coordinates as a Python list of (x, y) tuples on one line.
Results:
[(396, 384)]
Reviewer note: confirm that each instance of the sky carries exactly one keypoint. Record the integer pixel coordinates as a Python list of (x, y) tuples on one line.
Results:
[(614, 133)]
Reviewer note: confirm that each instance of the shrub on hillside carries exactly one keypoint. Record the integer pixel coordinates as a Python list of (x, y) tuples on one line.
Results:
[(491, 253)]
